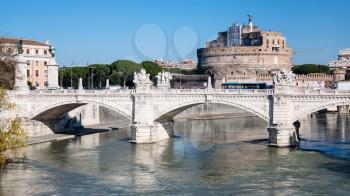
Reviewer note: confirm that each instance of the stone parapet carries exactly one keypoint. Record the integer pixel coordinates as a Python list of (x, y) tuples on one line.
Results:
[(251, 50)]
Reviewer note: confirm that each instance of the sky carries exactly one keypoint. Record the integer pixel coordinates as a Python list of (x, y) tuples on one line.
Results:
[(102, 31)]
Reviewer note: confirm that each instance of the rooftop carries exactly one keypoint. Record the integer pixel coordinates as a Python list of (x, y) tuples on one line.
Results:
[(345, 51), (25, 41)]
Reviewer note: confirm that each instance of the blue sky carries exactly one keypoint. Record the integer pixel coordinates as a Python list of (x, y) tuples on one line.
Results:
[(105, 30)]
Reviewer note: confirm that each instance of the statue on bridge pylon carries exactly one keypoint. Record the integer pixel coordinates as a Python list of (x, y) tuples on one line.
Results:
[(163, 80), (284, 81), (142, 82)]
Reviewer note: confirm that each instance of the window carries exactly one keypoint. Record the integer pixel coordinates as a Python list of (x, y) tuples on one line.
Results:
[(275, 49), (37, 83), (9, 50), (36, 63), (45, 52), (36, 73), (45, 62), (28, 51), (36, 51), (45, 72), (28, 62), (28, 73)]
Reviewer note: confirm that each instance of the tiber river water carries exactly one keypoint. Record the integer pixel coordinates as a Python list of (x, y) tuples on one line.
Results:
[(210, 157)]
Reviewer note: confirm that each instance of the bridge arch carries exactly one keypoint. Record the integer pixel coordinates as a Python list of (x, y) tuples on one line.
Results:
[(172, 111), (59, 109), (303, 113)]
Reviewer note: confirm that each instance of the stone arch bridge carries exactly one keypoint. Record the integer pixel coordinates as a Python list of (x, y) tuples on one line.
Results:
[(152, 108)]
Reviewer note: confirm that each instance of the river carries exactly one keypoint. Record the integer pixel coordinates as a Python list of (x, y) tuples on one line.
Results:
[(209, 157)]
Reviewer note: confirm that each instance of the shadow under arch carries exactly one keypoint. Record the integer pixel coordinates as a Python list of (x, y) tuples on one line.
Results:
[(170, 113), (305, 112), (58, 110), (54, 116)]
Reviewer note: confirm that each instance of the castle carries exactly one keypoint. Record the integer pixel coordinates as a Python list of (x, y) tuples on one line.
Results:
[(243, 52)]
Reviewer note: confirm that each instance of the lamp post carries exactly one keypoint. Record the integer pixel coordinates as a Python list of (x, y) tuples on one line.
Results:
[(92, 77), (180, 79), (71, 77)]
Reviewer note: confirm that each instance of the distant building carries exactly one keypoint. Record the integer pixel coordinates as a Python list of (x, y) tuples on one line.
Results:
[(42, 68), (244, 50), (343, 59), (342, 65), (185, 64)]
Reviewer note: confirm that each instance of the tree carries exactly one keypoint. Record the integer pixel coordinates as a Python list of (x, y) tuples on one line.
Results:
[(7, 68), (125, 66), (124, 69), (68, 74), (152, 68), (101, 73), (115, 79), (177, 70), (347, 77), (310, 68), (12, 135)]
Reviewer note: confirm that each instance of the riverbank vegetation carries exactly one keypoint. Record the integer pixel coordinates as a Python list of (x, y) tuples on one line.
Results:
[(120, 72), (7, 69), (12, 136)]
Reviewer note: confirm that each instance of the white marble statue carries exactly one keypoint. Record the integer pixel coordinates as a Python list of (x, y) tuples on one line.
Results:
[(284, 77), (141, 77), (142, 81), (163, 79)]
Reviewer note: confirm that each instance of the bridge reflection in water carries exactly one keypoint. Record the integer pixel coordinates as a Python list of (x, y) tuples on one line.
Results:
[(222, 155)]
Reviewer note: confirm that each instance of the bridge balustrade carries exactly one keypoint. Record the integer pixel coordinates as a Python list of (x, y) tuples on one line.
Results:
[(296, 91), (152, 91)]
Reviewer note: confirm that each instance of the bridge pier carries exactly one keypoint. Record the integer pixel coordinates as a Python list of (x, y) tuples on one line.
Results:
[(344, 109), (143, 133), (282, 135)]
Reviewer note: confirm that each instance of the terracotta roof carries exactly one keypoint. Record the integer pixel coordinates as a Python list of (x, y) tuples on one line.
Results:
[(25, 41)]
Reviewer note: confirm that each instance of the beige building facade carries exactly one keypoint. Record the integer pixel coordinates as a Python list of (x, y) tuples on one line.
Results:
[(184, 64), (244, 50), (343, 59), (39, 57)]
